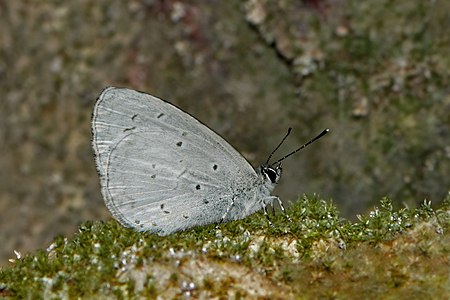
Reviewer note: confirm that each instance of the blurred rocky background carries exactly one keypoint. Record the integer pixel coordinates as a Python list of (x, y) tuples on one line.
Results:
[(375, 72)]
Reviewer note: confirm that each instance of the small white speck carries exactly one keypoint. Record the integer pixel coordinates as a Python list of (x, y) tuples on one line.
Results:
[(18, 256), (236, 258), (51, 247), (185, 286)]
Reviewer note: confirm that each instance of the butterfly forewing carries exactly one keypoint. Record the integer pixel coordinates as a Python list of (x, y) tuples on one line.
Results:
[(161, 169)]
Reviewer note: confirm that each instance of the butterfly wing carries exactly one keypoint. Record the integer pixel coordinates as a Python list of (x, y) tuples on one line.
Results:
[(160, 169)]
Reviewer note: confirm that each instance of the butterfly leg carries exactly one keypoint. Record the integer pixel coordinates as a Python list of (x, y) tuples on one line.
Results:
[(263, 203), (282, 209), (281, 206), (226, 212)]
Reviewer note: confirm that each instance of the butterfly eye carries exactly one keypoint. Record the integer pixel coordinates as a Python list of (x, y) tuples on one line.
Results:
[(271, 174)]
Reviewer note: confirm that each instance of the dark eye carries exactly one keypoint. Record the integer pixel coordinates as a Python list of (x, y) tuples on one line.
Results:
[(272, 174)]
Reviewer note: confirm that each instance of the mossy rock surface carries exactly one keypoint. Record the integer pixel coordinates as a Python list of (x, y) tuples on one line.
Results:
[(386, 254)]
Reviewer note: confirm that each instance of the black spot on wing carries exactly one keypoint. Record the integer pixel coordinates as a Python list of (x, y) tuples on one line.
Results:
[(197, 186), (153, 176), (129, 129), (133, 117), (205, 201), (179, 144), (215, 167), (160, 115)]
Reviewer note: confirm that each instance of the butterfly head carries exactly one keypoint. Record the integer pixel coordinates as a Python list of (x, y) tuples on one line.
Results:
[(271, 174)]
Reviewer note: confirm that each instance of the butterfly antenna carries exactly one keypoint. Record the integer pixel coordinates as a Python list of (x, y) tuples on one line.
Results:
[(301, 147), (279, 145)]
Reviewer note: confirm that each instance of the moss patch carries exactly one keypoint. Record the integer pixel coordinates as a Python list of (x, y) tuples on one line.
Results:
[(318, 254)]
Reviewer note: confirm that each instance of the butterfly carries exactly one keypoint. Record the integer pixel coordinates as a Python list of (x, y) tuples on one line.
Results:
[(161, 170)]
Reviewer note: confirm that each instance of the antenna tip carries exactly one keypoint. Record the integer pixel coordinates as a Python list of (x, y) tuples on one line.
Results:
[(325, 131)]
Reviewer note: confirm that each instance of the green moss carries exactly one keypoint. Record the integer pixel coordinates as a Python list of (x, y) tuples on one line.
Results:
[(387, 250)]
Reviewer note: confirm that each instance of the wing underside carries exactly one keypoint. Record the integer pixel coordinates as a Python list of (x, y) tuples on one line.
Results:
[(161, 169)]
